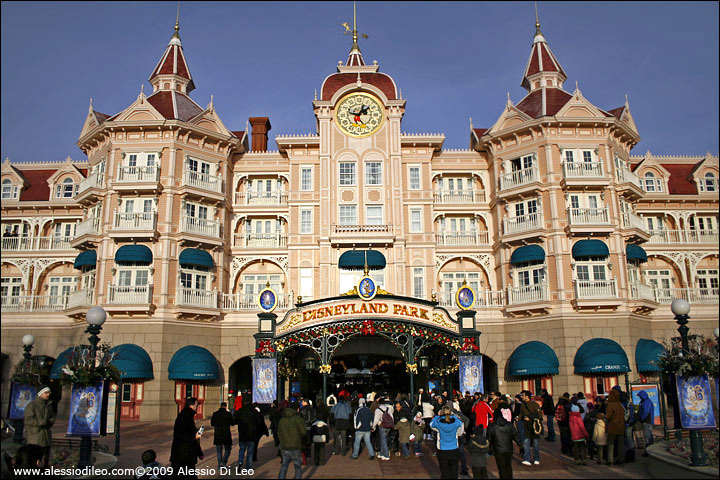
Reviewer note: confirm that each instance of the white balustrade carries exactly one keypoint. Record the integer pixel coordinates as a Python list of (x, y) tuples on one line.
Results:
[(93, 180), (201, 226), (640, 291), (582, 169), (684, 236), (588, 216), (130, 294), (34, 303), (692, 295), (461, 238), (203, 180), (81, 298), (91, 226), (522, 223), (585, 289), (702, 236), (362, 228), (485, 299), (127, 174), (527, 294), (249, 301), (459, 196), (519, 177), (135, 220), (17, 244), (631, 220), (197, 298), (272, 197), (623, 175), (261, 240)]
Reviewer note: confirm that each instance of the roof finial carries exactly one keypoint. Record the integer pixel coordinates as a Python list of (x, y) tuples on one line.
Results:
[(626, 100), (177, 19), (91, 107), (471, 125), (537, 21), (315, 98), (142, 89), (211, 107)]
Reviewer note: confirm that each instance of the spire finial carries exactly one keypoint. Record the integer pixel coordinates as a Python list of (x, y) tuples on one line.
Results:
[(626, 100), (142, 89), (537, 21), (90, 109), (177, 19), (315, 98)]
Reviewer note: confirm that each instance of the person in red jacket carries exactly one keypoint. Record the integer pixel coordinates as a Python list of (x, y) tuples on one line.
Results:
[(578, 435), (483, 413)]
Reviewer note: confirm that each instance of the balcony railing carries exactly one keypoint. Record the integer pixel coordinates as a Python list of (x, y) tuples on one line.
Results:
[(522, 223), (130, 294), (92, 181), (273, 197), (640, 291), (631, 220), (127, 174), (623, 175), (261, 240), (461, 238), (362, 228), (34, 303), (585, 289), (244, 301), (135, 221), (201, 226), (81, 298), (485, 299), (458, 196), (692, 295), (588, 216), (519, 177), (684, 236), (582, 169), (197, 298), (91, 226), (527, 294), (16, 244), (203, 180)]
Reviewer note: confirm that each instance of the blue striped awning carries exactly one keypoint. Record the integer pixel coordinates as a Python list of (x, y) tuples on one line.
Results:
[(355, 260), (60, 362), (194, 257), (133, 361), (601, 355), (86, 259), (134, 253), (193, 363), (528, 253), (589, 248), (647, 353), (533, 358), (635, 252)]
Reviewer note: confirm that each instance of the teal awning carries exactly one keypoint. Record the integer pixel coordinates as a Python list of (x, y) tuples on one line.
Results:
[(589, 248), (355, 260), (60, 362), (194, 257), (134, 253), (193, 363), (601, 355), (132, 361), (647, 353), (635, 252), (533, 358), (86, 259), (528, 253)]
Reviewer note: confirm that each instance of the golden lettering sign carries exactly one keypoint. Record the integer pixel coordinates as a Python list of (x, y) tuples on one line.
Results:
[(346, 310)]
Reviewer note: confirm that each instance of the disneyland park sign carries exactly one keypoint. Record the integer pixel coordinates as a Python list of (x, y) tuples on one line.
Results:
[(356, 309)]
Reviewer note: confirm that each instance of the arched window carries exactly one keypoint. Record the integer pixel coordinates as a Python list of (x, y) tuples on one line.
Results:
[(710, 185), (68, 188), (7, 188), (652, 184)]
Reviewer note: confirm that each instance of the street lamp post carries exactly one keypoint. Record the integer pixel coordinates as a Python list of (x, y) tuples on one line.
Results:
[(28, 342), (95, 318), (680, 308)]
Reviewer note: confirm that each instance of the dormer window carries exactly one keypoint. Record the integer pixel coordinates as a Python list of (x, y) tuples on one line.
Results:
[(707, 184), (652, 184), (67, 189), (9, 191)]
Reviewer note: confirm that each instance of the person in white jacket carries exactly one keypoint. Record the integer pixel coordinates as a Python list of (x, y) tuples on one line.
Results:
[(384, 427)]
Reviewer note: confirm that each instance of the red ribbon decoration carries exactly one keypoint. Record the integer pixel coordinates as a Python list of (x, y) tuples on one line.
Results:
[(265, 346), (470, 344), (368, 328)]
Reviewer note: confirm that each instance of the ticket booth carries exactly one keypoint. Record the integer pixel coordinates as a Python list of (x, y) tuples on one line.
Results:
[(192, 367)]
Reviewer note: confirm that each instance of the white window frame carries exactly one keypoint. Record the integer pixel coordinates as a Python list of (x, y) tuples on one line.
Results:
[(370, 175), (651, 183), (306, 224), (352, 207), (11, 287), (579, 155), (523, 162), (529, 268), (9, 190), (347, 178), (60, 286), (139, 205), (708, 183), (596, 268), (411, 179), (375, 217), (707, 279), (306, 282), (452, 281), (303, 186), (416, 223), (134, 270), (524, 207), (64, 229), (418, 276), (258, 281), (703, 223), (141, 159), (194, 275)]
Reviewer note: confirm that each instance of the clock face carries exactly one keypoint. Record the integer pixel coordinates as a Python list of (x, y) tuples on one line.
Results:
[(359, 114)]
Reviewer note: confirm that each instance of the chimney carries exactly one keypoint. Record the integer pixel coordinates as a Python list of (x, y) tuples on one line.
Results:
[(260, 128)]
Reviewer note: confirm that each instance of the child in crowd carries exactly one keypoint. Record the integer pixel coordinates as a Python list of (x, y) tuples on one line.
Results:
[(149, 464), (578, 435), (403, 428), (478, 447), (600, 437), (319, 433), (417, 430)]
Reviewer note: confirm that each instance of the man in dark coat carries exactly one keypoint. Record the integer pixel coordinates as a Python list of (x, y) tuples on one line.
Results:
[(222, 420), (260, 431), (246, 421), (548, 408), (185, 449)]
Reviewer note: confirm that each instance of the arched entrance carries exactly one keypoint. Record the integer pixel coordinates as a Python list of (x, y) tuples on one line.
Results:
[(240, 376)]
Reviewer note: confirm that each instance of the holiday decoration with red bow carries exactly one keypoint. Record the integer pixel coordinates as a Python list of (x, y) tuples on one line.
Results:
[(470, 344), (368, 327), (265, 346)]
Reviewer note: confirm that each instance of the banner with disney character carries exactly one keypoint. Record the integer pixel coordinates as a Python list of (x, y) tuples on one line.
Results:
[(695, 402), (264, 380), (471, 373), (86, 411), (20, 396)]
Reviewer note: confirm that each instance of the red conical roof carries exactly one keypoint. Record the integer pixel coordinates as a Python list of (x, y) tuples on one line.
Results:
[(541, 60), (173, 63)]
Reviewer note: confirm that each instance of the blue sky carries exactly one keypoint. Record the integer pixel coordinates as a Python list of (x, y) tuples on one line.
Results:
[(453, 60)]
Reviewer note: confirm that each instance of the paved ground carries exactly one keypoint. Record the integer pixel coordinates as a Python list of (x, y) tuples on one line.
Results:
[(138, 436)]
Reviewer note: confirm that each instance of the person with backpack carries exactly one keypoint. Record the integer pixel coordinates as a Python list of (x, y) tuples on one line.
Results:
[(561, 416), (578, 435), (501, 434), (319, 434), (478, 448), (363, 426), (340, 420), (383, 422), (531, 415), (646, 415), (615, 427)]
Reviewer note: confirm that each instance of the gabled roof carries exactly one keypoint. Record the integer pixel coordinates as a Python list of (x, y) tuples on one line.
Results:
[(100, 117), (174, 105), (543, 102), (479, 132), (617, 112), (336, 81), (680, 181)]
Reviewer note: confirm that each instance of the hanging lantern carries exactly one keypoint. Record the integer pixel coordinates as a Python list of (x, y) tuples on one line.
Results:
[(423, 362), (310, 363)]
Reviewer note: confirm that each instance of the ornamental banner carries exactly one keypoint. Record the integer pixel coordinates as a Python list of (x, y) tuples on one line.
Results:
[(695, 401), (264, 380), (20, 396), (653, 393), (471, 374), (354, 309), (86, 411)]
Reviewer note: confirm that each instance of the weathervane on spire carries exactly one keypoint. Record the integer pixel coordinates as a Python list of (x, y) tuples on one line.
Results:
[(354, 31)]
